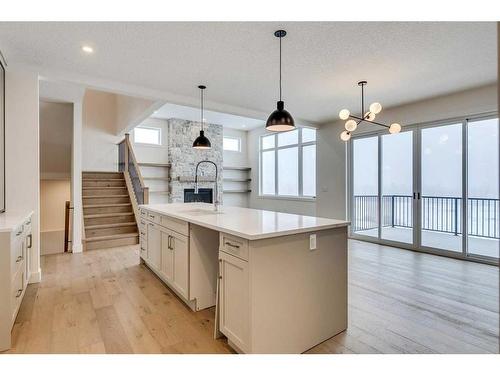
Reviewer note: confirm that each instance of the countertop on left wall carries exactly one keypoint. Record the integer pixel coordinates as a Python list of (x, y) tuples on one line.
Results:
[(10, 219)]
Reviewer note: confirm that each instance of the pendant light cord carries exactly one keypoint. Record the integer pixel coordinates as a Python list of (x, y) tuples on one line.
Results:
[(280, 68), (201, 109)]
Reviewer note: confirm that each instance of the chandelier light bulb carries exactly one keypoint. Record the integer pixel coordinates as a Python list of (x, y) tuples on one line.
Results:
[(351, 125), (369, 116), (375, 108), (344, 114), (345, 135), (394, 128)]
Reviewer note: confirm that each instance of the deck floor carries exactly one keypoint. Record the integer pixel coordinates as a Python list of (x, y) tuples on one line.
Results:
[(104, 301), (439, 240)]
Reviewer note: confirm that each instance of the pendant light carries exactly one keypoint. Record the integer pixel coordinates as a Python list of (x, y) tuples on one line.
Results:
[(365, 116), (280, 120), (202, 142)]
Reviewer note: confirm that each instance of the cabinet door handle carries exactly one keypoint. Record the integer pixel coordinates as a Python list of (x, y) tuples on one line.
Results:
[(232, 245), (19, 258), (19, 292), (220, 269), (30, 236)]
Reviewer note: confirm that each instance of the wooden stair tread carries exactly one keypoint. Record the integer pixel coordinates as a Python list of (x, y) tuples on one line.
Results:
[(112, 237), (106, 205), (102, 179), (108, 215), (105, 196), (111, 225)]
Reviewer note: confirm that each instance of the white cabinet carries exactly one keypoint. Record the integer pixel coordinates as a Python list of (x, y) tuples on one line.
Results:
[(174, 260), (166, 251), (167, 256), (180, 250), (234, 299), (154, 246), (15, 253)]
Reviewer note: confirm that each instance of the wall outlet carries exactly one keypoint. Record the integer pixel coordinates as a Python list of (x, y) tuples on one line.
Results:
[(312, 242)]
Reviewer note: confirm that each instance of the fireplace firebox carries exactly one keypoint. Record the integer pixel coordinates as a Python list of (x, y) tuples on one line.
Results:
[(204, 195)]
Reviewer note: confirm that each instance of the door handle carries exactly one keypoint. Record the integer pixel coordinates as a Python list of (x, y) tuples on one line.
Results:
[(414, 195), (418, 195)]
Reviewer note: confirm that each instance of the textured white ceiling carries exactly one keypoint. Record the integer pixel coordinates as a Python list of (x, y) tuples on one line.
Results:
[(193, 114), (322, 62)]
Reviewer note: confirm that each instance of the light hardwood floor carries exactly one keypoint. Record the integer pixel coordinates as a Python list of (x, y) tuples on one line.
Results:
[(104, 301)]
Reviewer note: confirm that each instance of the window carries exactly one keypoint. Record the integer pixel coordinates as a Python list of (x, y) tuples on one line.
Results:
[(288, 164), (150, 136), (232, 144)]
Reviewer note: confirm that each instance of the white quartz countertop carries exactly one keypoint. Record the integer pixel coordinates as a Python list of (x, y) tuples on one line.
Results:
[(248, 223), (10, 219)]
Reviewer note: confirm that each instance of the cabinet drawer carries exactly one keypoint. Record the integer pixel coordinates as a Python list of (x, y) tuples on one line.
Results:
[(17, 253), (142, 224), (17, 293), (234, 245), (153, 217), (176, 225)]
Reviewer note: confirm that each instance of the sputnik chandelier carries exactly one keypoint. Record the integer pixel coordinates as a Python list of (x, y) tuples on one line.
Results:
[(368, 116)]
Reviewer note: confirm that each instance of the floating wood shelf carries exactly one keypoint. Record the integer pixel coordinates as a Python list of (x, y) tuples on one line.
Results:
[(156, 178), (237, 168), (237, 179), (191, 179), (154, 165)]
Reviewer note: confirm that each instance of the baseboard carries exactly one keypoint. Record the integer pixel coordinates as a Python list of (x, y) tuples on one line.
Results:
[(77, 248), (36, 277)]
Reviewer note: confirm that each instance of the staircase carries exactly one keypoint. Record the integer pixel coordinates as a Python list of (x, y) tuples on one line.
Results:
[(108, 215)]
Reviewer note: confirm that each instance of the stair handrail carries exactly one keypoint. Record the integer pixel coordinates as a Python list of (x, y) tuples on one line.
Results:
[(129, 158)]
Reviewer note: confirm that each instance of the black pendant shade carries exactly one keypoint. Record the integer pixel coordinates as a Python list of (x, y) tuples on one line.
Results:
[(202, 141), (280, 120)]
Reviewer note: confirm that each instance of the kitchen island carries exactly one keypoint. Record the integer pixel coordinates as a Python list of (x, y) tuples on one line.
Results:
[(278, 280)]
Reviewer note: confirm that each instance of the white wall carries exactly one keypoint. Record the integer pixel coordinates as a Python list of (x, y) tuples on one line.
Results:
[(53, 195), (236, 159), (22, 156), (331, 170), (296, 206), (131, 111), (151, 153), (56, 131), (99, 139)]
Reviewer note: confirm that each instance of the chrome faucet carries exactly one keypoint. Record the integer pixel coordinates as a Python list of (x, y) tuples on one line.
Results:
[(215, 197)]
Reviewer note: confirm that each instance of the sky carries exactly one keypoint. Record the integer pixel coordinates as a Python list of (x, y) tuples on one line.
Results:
[(441, 159)]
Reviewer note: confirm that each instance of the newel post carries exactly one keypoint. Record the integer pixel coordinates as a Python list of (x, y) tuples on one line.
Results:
[(127, 142)]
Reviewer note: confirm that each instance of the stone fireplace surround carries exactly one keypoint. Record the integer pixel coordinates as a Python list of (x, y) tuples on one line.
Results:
[(183, 157)]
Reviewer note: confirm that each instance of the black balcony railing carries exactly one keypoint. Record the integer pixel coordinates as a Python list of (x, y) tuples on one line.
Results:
[(439, 214)]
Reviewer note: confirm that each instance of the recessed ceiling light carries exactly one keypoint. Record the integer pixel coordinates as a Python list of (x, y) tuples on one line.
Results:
[(87, 49)]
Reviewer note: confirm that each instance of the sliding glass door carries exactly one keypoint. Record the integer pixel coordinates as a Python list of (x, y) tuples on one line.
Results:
[(483, 211), (397, 187), (441, 187), (365, 214), (433, 188)]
